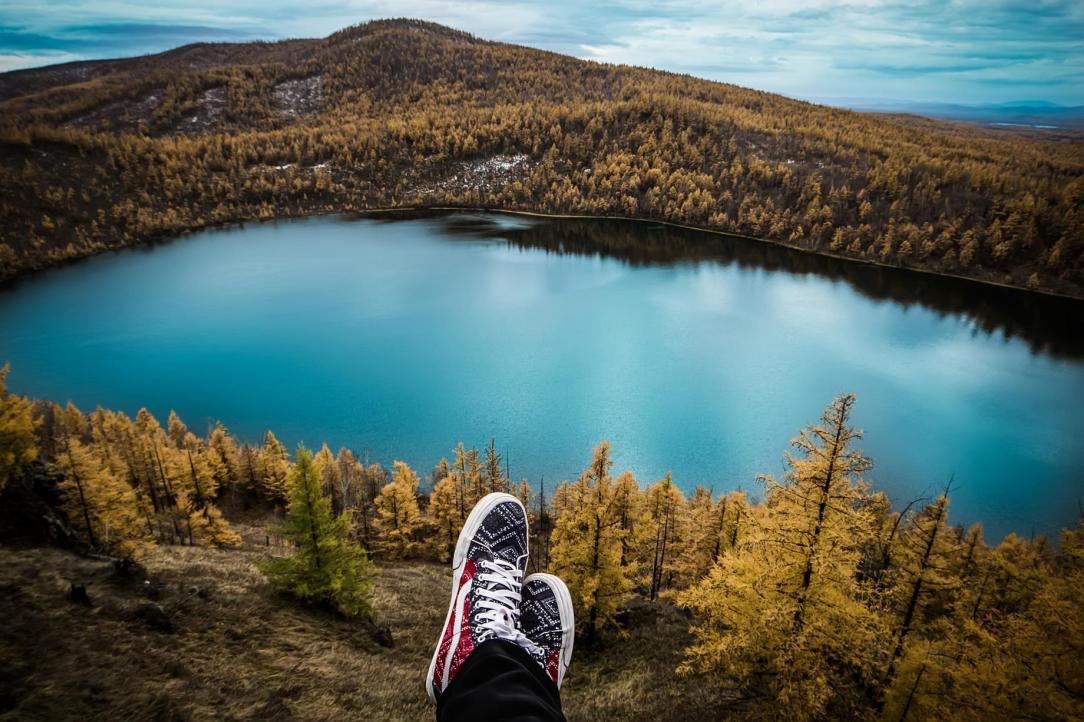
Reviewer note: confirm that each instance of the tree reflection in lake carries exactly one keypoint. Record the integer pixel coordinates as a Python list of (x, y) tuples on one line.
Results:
[(1047, 324)]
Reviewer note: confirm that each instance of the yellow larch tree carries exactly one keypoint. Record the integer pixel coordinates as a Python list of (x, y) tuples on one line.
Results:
[(468, 463), (351, 478), (702, 540), (665, 507), (374, 477), (587, 543), (225, 459), (274, 466), (493, 476), (398, 516), (459, 474), (924, 569), (443, 515), (636, 531), (1033, 667), (1004, 641), (328, 469), (176, 430), (197, 491), (783, 615), (205, 523), (736, 518), (99, 505), (17, 446)]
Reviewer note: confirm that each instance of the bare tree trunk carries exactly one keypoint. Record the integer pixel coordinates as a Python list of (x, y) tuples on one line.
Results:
[(826, 489), (916, 591), (911, 694), (82, 495)]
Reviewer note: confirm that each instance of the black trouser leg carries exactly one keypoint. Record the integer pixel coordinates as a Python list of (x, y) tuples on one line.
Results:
[(500, 682)]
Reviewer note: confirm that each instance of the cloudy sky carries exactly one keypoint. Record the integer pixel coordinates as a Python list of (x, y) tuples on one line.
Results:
[(963, 51)]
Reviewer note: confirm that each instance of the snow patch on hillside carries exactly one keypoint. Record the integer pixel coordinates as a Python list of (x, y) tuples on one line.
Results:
[(298, 97), (485, 174), (209, 110)]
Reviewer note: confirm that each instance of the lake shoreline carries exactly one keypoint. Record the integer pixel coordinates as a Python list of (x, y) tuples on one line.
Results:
[(691, 352), (156, 239)]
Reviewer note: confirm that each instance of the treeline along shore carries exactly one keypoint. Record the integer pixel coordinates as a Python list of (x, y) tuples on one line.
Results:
[(404, 114), (819, 599)]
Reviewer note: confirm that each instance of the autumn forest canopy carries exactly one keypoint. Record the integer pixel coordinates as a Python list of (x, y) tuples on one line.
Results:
[(815, 597), (809, 595), (105, 154)]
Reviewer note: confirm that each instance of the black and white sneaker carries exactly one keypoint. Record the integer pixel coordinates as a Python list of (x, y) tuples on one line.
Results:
[(547, 620), (487, 575)]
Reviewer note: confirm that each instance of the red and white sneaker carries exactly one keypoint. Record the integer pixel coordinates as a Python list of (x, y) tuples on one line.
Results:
[(487, 572), (547, 620)]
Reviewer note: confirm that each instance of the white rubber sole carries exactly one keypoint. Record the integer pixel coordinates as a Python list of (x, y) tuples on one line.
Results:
[(485, 505), (568, 615)]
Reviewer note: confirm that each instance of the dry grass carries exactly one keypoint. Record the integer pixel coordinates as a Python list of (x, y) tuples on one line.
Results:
[(239, 651)]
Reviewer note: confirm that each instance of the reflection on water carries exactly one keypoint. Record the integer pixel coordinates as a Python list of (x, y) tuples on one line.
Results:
[(1047, 324), (692, 353)]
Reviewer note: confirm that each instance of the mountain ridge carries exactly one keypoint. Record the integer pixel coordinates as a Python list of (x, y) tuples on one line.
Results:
[(390, 113)]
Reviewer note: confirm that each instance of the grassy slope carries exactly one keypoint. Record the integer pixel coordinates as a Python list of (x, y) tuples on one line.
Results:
[(240, 651)]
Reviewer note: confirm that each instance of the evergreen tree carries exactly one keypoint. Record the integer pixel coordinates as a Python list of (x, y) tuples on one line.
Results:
[(327, 568)]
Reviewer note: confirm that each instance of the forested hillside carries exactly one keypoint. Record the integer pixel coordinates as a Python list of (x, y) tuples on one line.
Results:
[(817, 600), (100, 155)]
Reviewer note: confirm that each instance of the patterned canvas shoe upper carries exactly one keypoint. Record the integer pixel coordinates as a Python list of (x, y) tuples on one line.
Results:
[(487, 571), (547, 620)]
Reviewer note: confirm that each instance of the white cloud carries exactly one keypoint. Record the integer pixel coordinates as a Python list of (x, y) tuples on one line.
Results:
[(964, 50), (17, 61)]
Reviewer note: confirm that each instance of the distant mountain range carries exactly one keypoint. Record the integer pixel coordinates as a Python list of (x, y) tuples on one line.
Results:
[(1028, 113)]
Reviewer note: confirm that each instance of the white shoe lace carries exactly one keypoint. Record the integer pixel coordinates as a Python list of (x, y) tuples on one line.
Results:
[(499, 598)]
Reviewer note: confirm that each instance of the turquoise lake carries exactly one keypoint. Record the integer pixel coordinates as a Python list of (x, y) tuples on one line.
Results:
[(690, 352)]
